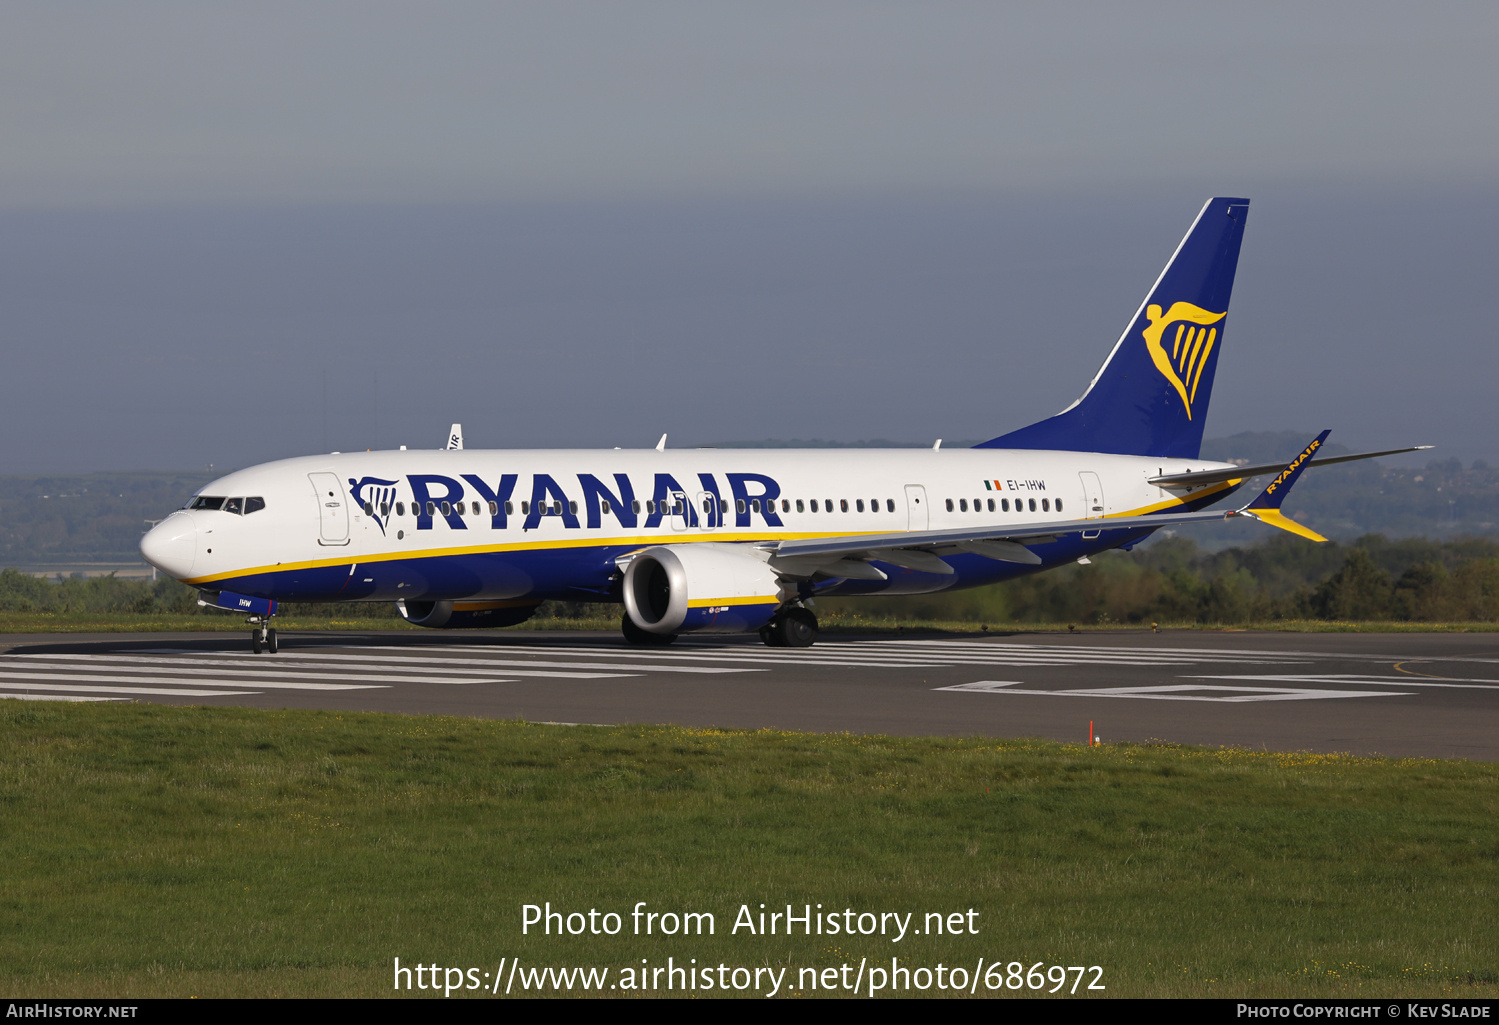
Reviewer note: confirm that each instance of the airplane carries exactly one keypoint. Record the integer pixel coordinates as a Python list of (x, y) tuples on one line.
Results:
[(744, 541)]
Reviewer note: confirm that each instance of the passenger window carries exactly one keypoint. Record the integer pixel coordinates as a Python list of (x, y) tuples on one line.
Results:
[(650, 506), (400, 508), (723, 506), (843, 505), (1046, 505), (890, 504), (785, 505), (509, 508), (432, 508), (739, 505), (813, 503), (525, 508), (494, 508), (446, 509), (859, 505), (572, 507), (1004, 505), (708, 505), (962, 505), (369, 508), (827, 503), (977, 504), (799, 505), (949, 505), (604, 506), (754, 505), (991, 505), (1059, 505), (1033, 505), (635, 506)]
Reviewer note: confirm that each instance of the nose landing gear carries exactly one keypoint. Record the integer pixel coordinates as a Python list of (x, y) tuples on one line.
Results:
[(262, 635)]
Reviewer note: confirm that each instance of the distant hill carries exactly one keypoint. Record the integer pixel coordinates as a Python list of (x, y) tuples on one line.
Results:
[(100, 517), (96, 517)]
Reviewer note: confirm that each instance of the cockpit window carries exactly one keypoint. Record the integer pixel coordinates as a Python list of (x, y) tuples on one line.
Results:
[(234, 505), (254, 504), (206, 502)]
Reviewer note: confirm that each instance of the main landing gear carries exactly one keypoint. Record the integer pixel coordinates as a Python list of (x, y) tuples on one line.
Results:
[(262, 635), (644, 638), (792, 627)]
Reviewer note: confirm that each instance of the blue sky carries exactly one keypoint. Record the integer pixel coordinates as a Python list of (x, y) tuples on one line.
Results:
[(586, 224)]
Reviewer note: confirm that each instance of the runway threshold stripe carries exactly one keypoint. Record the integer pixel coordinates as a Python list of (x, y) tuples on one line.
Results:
[(181, 692), (54, 697), (259, 670), (442, 664), (751, 657), (105, 677)]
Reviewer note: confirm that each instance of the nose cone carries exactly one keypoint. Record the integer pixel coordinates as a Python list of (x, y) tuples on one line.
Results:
[(172, 545)]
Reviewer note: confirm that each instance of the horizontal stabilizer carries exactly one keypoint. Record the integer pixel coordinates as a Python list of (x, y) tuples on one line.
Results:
[(1197, 477)]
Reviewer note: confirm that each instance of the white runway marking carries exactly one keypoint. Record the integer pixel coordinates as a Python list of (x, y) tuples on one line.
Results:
[(1177, 692), (266, 670), (443, 663), (174, 692), (126, 674), (55, 697), (1373, 681)]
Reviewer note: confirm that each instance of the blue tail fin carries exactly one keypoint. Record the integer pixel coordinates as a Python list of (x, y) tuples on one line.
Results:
[(1151, 397)]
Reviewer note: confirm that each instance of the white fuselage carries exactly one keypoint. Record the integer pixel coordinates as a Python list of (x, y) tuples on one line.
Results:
[(551, 523)]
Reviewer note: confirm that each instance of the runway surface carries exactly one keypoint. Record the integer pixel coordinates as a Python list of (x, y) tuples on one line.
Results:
[(1433, 695)]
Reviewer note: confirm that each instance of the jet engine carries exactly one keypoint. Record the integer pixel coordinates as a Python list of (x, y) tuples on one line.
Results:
[(465, 615), (709, 586)]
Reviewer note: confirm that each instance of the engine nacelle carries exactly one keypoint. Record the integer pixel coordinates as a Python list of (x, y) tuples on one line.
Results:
[(465, 615), (709, 586)]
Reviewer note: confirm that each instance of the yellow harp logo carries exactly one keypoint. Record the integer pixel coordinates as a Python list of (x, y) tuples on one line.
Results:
[(1189, 347)]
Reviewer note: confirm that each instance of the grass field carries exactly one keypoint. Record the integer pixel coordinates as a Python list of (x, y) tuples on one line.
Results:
[(153, 850)]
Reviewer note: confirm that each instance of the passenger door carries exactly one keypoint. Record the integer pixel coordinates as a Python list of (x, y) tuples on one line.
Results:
[(1092, 500), (916, 511), (333, 509)]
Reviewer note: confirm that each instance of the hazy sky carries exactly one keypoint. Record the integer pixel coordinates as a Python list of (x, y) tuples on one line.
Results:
[(586, 224)]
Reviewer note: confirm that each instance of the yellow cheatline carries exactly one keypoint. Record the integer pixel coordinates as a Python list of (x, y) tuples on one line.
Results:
[(524, 546), (698, 603), (592, 542), (1146, 510)]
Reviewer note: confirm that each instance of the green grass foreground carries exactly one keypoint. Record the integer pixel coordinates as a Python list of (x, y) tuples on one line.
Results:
[(167, 851)]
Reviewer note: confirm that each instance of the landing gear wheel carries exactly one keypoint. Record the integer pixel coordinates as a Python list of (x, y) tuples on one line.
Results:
[(793, 628), (255, 643), (270, 641), (644, 638)]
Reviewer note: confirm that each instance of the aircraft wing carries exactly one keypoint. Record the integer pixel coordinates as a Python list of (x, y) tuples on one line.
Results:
[(875, 546), (1006, 542), (1195, 477)]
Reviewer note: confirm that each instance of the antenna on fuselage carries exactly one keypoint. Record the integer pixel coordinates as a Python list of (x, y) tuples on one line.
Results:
[(455, 437)]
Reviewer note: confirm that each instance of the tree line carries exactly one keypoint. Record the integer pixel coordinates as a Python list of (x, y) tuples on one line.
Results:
[(1170, 580)]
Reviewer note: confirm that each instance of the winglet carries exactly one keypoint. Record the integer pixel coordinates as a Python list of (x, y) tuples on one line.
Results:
[(1266, 508)]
